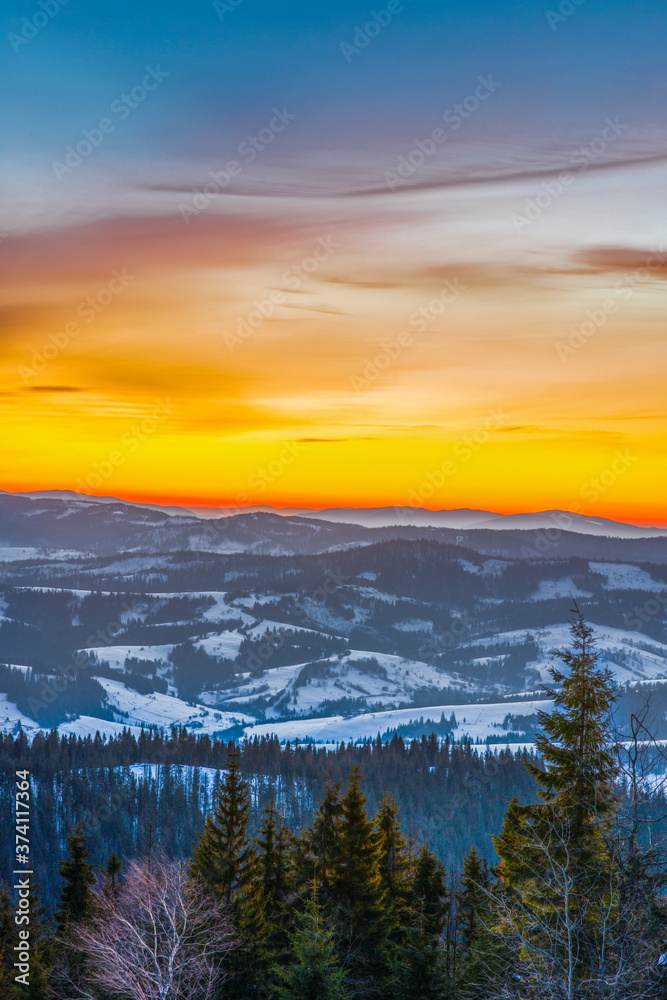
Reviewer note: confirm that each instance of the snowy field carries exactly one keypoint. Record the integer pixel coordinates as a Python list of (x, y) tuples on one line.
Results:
[(473, 721), (164, 711)]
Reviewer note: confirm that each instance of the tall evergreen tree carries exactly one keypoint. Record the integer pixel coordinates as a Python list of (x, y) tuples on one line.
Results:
[(478, 952), (359, 901), (420, 972), (76, 898), (223, 855), (395, 863), (321, 840), (264, 915), (556, 878), (37, 985), (111, 882), (315, 973)]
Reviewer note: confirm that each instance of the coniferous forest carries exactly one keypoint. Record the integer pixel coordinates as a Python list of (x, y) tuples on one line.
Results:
[(421, 871)]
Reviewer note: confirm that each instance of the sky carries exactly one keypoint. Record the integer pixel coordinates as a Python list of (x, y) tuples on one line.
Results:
[(339, 254)]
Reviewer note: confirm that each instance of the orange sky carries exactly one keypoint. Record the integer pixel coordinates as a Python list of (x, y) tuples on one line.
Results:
[(417, 350)]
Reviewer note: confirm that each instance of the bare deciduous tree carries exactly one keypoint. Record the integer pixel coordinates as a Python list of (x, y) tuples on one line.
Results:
[(159, 938)]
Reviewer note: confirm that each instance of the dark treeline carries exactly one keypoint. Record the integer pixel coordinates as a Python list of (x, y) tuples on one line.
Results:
[(452, 795)]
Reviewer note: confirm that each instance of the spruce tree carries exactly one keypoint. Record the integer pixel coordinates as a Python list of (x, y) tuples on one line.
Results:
[(472, 901), (264, 915), (37, 987), (358, 898), (420, 972), (395, 863), (76, 898), (111, 882), (314, 973), (321, 841), (223, 860), (223, 855), (478, 958), (556, 891)]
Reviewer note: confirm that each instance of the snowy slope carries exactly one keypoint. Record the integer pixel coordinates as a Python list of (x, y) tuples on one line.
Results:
[(474, 721), (164, 711)]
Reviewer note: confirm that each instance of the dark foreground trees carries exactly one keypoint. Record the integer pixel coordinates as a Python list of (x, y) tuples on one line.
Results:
[(352, 907), (576, 909)]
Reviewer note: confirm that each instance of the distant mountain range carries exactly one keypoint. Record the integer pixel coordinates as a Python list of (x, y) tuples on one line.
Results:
[(383, 517), (331, 624)]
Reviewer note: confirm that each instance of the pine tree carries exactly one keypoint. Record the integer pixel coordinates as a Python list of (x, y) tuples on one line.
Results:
[(478, 959), (321, 840), (264, 916), (556, 892), (76, 898), (472, 901), (111, 882), (420, 972), (37, 987), (395, 863), (223, 855), (223, 860), (359, 901), (315, 973)]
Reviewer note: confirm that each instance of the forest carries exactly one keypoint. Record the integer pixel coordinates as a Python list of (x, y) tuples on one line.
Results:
[(309, 877)]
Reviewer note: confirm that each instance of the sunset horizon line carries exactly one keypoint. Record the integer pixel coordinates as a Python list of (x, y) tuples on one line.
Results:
[(195, 504)]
